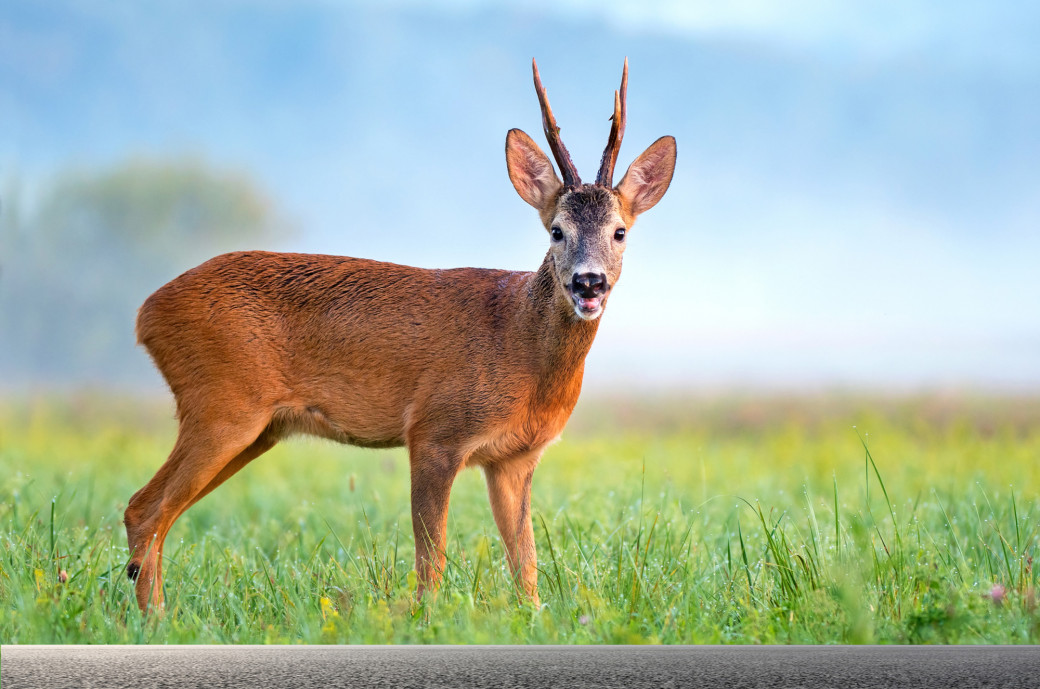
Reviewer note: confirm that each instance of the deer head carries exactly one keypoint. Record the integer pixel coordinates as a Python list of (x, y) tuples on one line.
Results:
[(588, 224)]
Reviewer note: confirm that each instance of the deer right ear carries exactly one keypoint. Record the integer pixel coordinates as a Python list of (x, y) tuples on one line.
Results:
[(530, 171), (648, 176)]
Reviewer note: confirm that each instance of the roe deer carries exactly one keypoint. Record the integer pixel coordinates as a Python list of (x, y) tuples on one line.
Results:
[(466, 367)]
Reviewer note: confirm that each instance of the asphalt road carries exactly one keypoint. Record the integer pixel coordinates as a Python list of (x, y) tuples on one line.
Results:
[(501, 667)]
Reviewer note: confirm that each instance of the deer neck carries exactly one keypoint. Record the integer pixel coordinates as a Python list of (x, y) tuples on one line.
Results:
[(558, 340)]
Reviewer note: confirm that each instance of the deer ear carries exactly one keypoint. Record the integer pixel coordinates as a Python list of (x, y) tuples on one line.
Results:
[(530, 171), (648, 177)]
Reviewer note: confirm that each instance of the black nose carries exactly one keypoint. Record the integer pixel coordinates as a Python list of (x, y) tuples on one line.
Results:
[(589, 285)]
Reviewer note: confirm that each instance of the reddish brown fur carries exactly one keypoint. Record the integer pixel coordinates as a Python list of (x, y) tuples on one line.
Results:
[(466, 367)]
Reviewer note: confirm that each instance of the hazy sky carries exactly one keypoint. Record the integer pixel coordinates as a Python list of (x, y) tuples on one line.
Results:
[(856, 202)]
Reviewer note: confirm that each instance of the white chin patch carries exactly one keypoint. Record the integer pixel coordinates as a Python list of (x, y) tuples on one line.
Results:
[(588, 309)]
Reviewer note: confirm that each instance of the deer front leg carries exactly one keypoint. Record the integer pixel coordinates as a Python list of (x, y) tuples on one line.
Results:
[(433, 471), (509, 488)]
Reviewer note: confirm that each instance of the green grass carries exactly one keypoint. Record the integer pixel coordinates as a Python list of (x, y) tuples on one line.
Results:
[(825, 520)]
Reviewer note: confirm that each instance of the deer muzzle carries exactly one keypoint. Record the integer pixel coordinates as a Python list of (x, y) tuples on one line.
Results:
[(588, 291)]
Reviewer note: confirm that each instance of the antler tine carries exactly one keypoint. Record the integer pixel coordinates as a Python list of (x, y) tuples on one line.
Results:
[(552, 134), (617, 132)]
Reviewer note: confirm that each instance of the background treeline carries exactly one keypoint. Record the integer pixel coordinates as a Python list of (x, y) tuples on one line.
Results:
[(79, 257)]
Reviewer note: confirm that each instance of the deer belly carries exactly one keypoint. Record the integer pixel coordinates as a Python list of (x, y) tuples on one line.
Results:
[(349, 409)]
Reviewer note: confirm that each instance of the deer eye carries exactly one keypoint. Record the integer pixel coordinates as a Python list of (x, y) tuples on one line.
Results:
[(619, 234), (556, 233)]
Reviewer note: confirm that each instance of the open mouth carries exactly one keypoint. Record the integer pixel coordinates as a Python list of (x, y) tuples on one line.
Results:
[(587, 308)]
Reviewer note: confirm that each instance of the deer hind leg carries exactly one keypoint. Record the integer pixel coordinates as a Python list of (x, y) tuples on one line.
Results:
[(265, 442), (200, 456), (509, 489)]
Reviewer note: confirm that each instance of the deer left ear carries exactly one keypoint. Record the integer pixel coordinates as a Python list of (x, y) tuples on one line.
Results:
[(648, 177), (530, 171)]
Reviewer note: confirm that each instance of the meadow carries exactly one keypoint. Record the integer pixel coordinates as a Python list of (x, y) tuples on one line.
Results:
[(736, 519)]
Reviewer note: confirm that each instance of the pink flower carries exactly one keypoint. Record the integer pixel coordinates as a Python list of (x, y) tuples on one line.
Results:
[(997, 594)]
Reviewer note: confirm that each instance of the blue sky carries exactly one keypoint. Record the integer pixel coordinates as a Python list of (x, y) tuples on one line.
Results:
[(857, 198)]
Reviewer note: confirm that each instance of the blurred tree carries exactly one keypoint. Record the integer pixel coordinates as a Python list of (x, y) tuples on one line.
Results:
[(74, 270)]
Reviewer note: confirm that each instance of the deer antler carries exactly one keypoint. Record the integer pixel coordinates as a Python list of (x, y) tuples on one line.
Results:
[(552, 133), (617, 132)]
